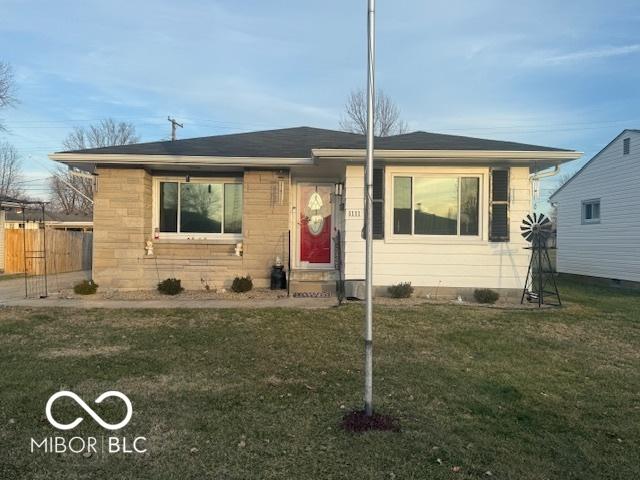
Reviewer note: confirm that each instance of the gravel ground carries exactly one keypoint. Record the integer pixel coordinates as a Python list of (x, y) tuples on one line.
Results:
[(61, 294), (267, 296), (258, 294)]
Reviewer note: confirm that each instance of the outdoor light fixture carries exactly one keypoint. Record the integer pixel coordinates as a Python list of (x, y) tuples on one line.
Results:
[(338, 192), (277, 192), (187, 178), (281, 191)]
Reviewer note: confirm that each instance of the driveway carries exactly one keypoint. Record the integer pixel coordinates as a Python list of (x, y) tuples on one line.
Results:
[(12, 290)]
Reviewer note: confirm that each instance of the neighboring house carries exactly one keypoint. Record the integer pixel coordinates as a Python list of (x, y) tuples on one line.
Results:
[(1, 240), (599, 214), (6, 203), (447, 209), (59, 221)]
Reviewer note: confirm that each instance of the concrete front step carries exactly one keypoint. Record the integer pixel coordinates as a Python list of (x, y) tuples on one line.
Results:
[(296, 287), (312, 282), (310, 275)]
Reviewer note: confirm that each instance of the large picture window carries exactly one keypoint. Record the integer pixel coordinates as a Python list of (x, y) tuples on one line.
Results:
[(436, 205), (200, 207)]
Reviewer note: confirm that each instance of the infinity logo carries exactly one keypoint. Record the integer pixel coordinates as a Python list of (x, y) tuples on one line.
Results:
[(89, 410)]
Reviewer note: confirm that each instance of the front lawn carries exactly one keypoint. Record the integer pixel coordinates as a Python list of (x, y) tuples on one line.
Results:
[(481, 393)]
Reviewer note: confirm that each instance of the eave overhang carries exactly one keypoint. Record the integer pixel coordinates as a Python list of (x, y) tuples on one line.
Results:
[(177, 160), (517, 156)]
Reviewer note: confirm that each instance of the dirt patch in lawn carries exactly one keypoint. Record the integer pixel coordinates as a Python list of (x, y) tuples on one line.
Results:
[(13, 339), (275, 381), (83, 352), (160, 384)]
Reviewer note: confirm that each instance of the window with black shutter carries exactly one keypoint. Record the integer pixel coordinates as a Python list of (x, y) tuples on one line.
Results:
[(378, 203), (499, 215)]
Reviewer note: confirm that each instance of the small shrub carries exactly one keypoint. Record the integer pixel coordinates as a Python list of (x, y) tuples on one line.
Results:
[(401, 290), (242, 284), (170, 286), (486, 295), (85, 287)]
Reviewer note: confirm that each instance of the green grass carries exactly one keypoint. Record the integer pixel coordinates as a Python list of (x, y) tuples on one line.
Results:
[(260, 393), (10, 276)]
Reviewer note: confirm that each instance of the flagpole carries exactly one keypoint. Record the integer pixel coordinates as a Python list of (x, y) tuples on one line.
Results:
[(368, 330)]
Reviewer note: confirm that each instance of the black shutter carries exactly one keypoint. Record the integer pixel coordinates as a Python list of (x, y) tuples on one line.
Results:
[(378, 203), (499, 215)]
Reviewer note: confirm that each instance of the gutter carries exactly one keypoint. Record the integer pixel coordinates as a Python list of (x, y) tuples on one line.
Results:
[(534, 177), (545, 174), (188, 160), (359, 154)]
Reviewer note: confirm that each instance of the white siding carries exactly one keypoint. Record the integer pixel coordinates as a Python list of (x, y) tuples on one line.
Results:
[(463, 262), (611, 248), (1, 240)]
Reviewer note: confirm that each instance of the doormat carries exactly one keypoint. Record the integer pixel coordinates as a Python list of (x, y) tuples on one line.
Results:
[(312, 295)]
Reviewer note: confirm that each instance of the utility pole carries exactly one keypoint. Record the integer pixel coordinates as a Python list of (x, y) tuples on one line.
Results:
[(174, 123), (368, 174)]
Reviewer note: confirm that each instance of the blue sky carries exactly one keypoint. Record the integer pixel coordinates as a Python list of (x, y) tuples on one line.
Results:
[(554, 73)]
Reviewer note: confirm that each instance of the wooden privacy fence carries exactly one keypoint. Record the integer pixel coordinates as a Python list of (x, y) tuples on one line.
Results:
[(66, 251)]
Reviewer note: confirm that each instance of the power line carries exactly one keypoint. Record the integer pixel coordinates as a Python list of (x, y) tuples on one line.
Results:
[(45, 179)]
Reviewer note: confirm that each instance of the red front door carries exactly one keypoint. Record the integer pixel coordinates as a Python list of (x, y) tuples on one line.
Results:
[(314, 207)]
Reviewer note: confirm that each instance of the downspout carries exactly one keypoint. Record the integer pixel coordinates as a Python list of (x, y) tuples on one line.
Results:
[(534, 177)]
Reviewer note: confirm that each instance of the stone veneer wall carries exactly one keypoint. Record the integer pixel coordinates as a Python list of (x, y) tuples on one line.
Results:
[(123, 223), (265, 222), (196, 263)]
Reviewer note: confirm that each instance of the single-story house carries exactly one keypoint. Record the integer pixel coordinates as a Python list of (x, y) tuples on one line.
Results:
[(599, 214), (447, 209)]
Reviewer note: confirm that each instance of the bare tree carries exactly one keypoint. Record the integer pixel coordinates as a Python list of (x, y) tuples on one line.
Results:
[(387, 118), (10, 171), (105, 134), (7, 88), (71, 190), (563, 178)]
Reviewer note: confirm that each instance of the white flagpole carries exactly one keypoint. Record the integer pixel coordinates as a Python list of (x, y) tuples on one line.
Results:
[(368, 330)]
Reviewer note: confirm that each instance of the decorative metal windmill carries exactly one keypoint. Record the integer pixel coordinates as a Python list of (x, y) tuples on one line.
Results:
[(540, 282)]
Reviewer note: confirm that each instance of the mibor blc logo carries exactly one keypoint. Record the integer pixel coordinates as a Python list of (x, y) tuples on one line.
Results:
[(89, 445), (89, 410)]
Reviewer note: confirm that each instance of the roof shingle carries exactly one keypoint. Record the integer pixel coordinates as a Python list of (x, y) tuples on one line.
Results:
[(299, 141)]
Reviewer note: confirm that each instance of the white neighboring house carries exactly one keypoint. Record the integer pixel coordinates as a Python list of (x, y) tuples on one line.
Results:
[(599, 214)]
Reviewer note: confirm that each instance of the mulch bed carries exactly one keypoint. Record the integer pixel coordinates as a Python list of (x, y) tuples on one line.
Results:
[(358, 422)]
